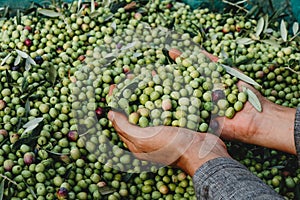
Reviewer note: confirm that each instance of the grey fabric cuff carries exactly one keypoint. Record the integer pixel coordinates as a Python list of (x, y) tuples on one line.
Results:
[(297, 133), (225, 178)]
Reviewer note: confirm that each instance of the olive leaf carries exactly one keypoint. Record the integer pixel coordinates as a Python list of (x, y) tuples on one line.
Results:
[(33, 123), (266, 18), (18, 60), (30, 189), (137, 54), (240, 75), (49, 13), (253, 99), (5, 59), (271, 42), (245, 41), (2, 189), (22, 54), (27, 107), (114, 25), (128, 46), (106, 190), (78, 5), (31, 61), (29, 139), (27, 65), (295, 28), (283, 30), (52, 74), (92, 5), (260, 26), (95, 14)]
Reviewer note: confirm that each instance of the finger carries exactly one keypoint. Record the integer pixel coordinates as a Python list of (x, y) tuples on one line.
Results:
[(137, 152), (122, 125)]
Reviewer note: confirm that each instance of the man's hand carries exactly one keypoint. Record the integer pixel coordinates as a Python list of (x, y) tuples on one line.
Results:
[(169, 145), (271, 128)]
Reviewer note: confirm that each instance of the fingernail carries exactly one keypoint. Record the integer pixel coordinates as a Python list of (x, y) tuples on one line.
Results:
[(111, 115)]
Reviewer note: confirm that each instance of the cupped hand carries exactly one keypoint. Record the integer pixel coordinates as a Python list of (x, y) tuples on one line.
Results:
[(168, 145), (271, 128)]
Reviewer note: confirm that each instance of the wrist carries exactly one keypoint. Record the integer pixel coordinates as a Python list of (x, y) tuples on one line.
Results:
[(201, 151)]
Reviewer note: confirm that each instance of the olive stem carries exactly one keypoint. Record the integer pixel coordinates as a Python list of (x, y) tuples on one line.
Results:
[(236, 5), (13, 182), (292, 70)]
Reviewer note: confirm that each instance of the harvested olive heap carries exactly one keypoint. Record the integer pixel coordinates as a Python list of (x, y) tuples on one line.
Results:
[(62, 69)]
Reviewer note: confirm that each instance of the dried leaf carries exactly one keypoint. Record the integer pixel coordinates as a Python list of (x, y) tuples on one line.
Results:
[(271, 42), (5, 59), (295, 28), (2, 189), (17, 61), (253, 99), (260, 26), (22, 54), (49, 13), (245, 41), (240, 75), (283, 30)]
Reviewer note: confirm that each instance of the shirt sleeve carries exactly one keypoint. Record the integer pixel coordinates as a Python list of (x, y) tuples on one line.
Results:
[(297, 134), (225, 178)]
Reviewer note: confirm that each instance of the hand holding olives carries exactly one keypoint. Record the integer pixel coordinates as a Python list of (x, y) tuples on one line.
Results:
[(169, 145)]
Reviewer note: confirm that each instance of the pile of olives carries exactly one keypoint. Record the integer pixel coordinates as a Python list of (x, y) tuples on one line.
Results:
[(62, 69)]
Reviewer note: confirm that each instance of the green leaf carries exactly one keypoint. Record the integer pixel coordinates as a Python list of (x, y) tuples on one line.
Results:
[(245, 41), (24, 85), (95, 14), (266, 18), (29, 139), (260, 26), (295, 28), (27, 107), (22, 54), (283, 30), (106, 190), (31, 61), (271, 42), (49, 13), (240, 75), (27, 65), (5, 59), (33, 122), (253, 99), (2, 189), (52, 74), (17, 61)]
